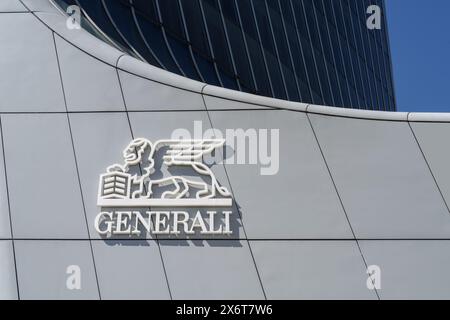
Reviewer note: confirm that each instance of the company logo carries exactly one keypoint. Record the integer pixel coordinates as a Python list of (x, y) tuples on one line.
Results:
[(163, 174), (120, 188)]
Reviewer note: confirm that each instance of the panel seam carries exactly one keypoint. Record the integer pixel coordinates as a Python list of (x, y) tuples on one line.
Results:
[(429, 166), (341, 202), (239, 212), (76, 166), (9, 208)]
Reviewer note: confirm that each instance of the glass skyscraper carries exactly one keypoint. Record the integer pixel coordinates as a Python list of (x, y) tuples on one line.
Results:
[(312, 51)]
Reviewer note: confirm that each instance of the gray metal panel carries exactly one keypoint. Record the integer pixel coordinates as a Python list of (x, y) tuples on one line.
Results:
[(99, 140), (297, 202), (148, 95), (43, 186), (78, 71), (161, 125), (11, 6), (37, 73), (42, 269), (433, 139), (40, 5), (80, 38), (210, 270), (311, 270), (8, 286), (5, 227), (411, 269), (383, 180), (140, 68), (130, 270)]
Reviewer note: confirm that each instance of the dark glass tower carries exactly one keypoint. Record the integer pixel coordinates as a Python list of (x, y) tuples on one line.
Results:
[(313, 51)]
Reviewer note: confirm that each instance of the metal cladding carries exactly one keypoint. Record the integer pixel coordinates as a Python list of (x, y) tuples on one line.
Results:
[(354, 205)]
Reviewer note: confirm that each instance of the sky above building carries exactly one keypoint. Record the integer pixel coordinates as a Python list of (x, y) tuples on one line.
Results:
[(420, 44)]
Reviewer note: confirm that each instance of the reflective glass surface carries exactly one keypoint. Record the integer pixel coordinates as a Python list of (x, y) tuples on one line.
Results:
[(312, 51)]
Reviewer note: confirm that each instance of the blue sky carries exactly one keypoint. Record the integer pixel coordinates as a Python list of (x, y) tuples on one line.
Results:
[(419, 33)]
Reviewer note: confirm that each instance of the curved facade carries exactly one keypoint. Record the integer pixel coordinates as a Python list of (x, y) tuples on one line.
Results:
[(355, 189), (318, 52)]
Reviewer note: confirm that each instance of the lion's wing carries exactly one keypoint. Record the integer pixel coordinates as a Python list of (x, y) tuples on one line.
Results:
[(188, 150)]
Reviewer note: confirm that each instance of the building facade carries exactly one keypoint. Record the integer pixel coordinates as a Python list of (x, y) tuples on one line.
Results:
[(345, 204), (310, 51)]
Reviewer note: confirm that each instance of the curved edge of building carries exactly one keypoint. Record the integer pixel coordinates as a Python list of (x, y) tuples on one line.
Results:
[(91, 45)]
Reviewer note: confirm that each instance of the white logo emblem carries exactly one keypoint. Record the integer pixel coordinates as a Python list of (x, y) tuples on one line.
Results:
[(140, 181)]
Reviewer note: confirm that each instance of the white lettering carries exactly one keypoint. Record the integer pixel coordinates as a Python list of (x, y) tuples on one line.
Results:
[(177, 221), (226, 229), (161, 218), (122, 222), (212, 220), (374, 20), (140, 220), (272, 160), (199, 223), (164, 222), (73, 281), (109, 223)]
